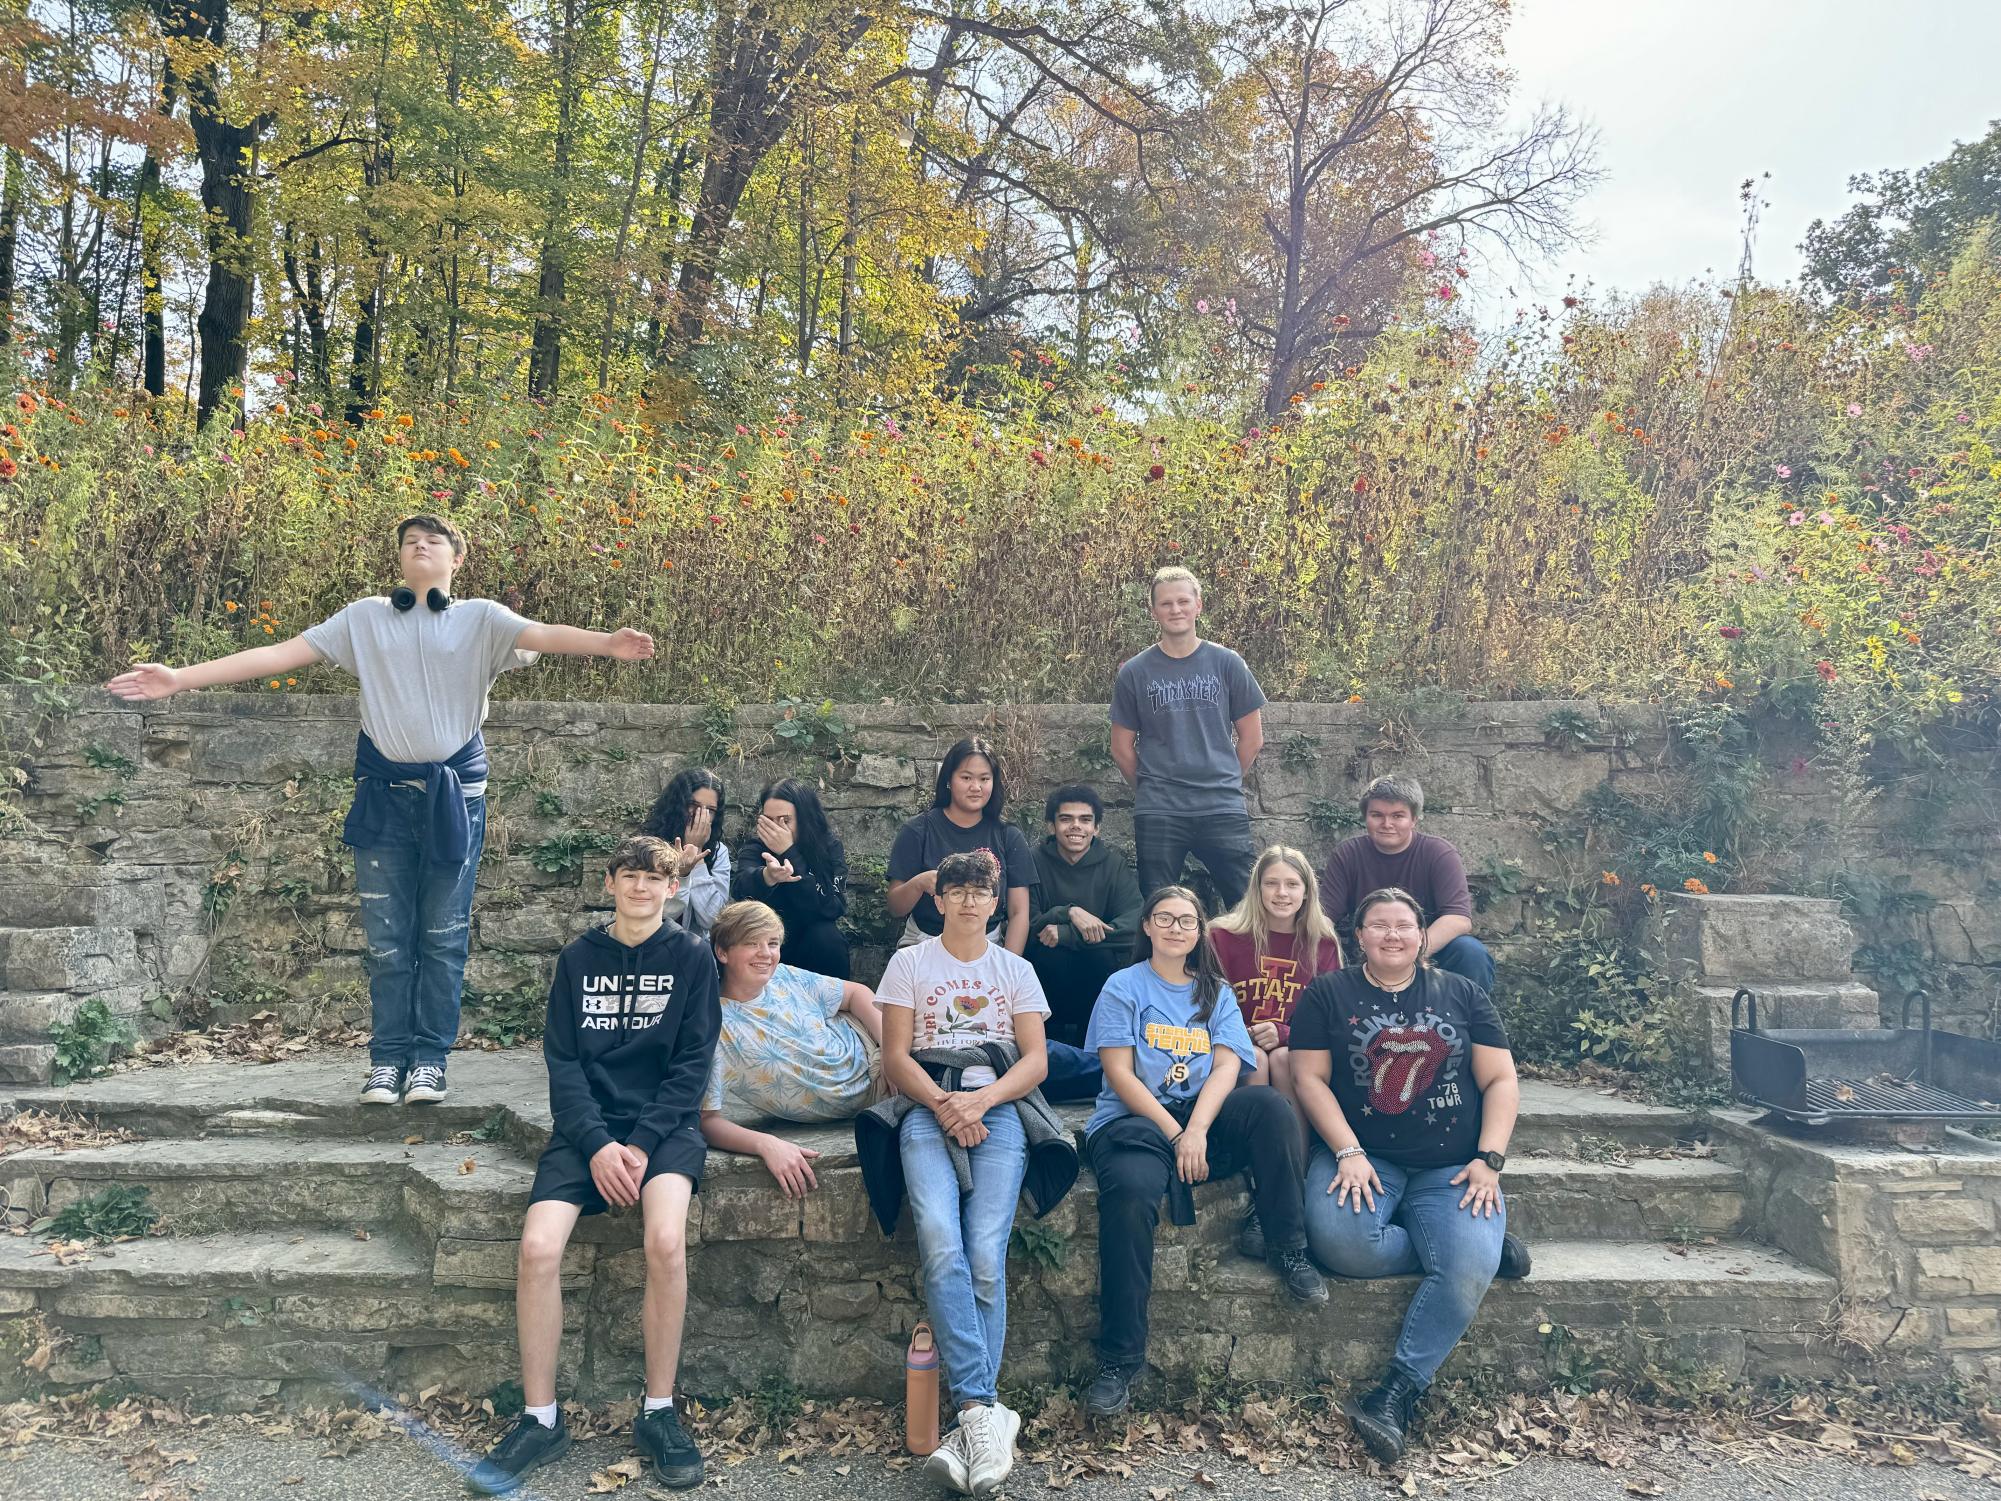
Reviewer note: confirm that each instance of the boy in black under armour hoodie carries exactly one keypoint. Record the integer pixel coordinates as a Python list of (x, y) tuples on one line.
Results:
[(630, 1038)]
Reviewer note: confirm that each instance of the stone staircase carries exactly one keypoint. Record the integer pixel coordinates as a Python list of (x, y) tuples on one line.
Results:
[(316, 1252)]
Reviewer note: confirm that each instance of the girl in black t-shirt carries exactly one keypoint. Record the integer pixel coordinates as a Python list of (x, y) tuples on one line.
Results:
[(1404, 1074), (967, 813)]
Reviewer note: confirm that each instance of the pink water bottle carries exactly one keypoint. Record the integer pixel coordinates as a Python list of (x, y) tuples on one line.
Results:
[(920, 1392)]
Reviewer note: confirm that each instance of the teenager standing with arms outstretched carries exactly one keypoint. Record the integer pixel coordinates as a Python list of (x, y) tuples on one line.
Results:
[(424, 661), (1187, 723)]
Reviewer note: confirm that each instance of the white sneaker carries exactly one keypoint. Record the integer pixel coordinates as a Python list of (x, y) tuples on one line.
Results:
[(990, 1435), (947, 1463), (384, 1085)]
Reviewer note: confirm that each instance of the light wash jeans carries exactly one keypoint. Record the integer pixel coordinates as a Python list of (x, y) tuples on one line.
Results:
[(1416, 1226), (416, 919), (962, 1242)]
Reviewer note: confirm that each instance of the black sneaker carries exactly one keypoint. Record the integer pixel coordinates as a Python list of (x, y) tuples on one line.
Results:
[(1515, 1259), (660, 1437), (384, 1085), (425, 1085), (1111, 1390), (1301, 1277), (526, 1445), (1251, 1236), (1382, 1419)]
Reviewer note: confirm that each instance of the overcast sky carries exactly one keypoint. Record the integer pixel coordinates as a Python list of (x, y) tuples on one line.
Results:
[(1690, 97)]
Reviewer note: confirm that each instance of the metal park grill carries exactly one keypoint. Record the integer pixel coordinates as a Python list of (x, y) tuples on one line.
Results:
[(1815, 1075)]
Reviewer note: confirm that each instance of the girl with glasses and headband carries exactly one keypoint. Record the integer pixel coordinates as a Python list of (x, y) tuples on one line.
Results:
[(1172, 1043), (1405, 1076)]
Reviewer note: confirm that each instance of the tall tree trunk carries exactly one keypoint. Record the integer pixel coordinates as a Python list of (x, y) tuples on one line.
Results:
[(848, 261), (667, 190), (11, 173), (614, 285), (364, 354), (545, 356)]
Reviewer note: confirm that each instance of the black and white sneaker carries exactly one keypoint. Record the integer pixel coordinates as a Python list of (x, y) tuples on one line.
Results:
[(384, 1085), (425, 1085), (1301, 1277), (527, 1444), (660, 1437)]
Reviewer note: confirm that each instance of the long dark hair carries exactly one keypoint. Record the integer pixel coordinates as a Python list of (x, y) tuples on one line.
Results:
[(959, 755), (1202, 961), (814, 834), (668, 817)]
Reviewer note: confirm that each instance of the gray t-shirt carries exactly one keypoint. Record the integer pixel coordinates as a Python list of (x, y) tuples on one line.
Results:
[(423, 673), (1185, 710)]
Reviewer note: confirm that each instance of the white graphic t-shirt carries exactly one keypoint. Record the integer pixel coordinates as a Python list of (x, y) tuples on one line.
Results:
[(961, 1005)]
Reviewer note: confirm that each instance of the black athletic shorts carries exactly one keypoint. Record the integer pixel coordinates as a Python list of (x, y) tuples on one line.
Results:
[(564, 1173)]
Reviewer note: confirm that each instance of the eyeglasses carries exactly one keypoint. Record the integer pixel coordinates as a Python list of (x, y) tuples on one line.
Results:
[(1187, 922), (966, 896), (1384, 930)]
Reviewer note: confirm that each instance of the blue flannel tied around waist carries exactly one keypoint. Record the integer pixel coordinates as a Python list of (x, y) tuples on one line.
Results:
[(374, 814)]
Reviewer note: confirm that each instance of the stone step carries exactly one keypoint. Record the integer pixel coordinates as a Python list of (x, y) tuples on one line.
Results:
[(81, 959), (1651, 1198), (1836, 1003), (310, 1316)]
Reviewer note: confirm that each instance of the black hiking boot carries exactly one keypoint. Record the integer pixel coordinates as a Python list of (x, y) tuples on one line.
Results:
[(525, 1446), (1301, 1277), (660, 1437), (1382, 1419), (1251, 1236), (1111, 1391), (1515, 1259)]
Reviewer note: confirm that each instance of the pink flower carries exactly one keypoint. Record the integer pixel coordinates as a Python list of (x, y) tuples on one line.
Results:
[(1825, 518), (1783, 471), (1826, 670), (441, 495), (316, 409), (1795, 518), (1445, 293), (742, 431), (1855, 409), (1759, 574), (1963, 418), (819, 536), (284, 377), (1730, 632), (1201, 304)]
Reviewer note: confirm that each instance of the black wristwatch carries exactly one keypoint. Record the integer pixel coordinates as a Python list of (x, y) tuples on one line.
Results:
[(1494, 1160)]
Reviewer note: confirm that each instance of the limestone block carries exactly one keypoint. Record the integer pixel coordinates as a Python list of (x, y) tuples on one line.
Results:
[(89, 1303), (270, 751), (1734, 940), (885, 772), (1943, 1219), (492, 1263), (838, 1209), (1546, 781), (762, 1213), (1959, 1271), (27, 1063), (15, 1301), (844, 1301), (1974, 1322), (80, 958)]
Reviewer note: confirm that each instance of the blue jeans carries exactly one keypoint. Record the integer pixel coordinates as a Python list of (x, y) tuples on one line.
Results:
[(962, 1242), (1467, 956), (1416, 1226), (1074, 1074), (416, 919)]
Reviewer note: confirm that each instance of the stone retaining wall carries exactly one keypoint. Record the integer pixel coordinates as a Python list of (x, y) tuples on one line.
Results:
[(199, 845)]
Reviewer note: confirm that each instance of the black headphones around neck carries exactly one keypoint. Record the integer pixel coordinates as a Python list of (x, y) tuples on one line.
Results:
[(404, 598)]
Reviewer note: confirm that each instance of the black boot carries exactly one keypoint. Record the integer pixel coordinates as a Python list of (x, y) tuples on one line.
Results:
[(1515, 1259), (1111, 1392), (1382, 1419)]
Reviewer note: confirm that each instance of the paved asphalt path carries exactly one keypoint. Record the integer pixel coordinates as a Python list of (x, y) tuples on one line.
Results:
[(241, 1466)]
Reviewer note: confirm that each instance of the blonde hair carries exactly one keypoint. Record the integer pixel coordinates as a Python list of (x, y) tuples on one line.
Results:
[(743, 922), (1309, 930), (1173, 573)]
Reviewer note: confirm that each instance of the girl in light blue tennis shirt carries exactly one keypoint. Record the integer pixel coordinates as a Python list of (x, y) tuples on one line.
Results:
[(1172, 1042)]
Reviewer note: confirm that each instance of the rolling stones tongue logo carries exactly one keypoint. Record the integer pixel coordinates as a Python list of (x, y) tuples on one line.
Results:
[(1403, 1062)]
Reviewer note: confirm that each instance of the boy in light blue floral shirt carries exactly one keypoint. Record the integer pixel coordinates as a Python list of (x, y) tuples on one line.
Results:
[(795, 1046)]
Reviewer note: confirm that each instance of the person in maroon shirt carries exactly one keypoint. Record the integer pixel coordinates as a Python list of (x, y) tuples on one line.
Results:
[(1392, 853)]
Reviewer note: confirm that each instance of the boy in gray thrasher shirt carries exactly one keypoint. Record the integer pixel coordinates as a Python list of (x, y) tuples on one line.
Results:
[(424, 662), (1187, 723)]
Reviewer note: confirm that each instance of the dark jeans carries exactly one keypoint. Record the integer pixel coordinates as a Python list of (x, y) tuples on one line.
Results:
[(416, 920), (1162, 843), (1256, 1130), (1073, 1074), (819, 948), (1467, 956), (1072, 978), (1416, 1226)]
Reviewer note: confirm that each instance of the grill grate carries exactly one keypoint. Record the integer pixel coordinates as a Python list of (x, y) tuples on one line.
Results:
[(1908, 1101)]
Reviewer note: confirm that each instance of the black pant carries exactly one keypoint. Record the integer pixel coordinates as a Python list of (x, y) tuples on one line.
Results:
[(1072, 978), (1162, 843), (819, 947), (1255, 1129)]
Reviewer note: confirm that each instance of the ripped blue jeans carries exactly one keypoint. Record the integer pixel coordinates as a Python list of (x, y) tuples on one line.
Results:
[(416, 920)]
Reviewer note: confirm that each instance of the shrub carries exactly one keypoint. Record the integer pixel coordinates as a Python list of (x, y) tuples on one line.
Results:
[(85, 1043), (114, 1213)]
